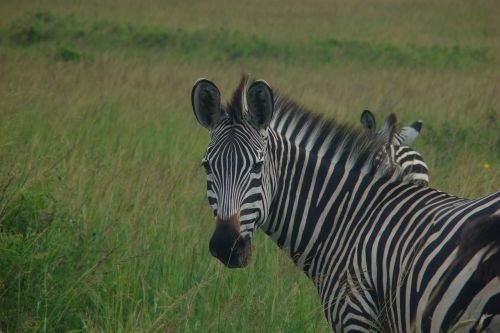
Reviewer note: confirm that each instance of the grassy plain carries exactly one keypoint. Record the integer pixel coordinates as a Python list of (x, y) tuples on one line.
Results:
[(104, 224)]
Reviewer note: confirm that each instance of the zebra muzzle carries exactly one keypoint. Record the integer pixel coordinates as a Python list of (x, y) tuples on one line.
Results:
[(229, 247)]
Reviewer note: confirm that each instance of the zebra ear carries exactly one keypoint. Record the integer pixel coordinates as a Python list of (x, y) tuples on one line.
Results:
[(389, 128), (205, 98), (368, 120), (260, 103), (408, 134)]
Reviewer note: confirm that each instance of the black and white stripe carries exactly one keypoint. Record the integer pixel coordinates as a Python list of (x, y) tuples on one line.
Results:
[(385, 255)]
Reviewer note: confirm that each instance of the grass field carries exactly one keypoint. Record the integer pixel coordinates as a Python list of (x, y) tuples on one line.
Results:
[(104, 224)]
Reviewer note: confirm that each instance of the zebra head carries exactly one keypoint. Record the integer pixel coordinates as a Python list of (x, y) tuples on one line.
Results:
[(405, 136), (395, 152), (234, 163)]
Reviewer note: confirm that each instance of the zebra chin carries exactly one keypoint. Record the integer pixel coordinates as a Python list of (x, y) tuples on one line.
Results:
[(227, 245)]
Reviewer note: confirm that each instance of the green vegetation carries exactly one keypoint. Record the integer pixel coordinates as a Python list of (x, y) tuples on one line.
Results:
[(48, 30), (104, 224), (48, 263)]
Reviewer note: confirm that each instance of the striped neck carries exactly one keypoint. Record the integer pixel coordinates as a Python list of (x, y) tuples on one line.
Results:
[(312, 167)]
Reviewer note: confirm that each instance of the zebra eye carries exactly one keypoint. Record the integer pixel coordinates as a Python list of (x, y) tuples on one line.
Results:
[(257, 166), (206, 165)]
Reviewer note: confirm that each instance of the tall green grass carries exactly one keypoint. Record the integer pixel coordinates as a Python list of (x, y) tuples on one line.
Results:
[(104, 224), (119, 242)]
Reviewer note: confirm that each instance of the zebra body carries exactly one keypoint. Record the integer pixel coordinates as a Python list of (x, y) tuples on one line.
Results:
[(384, 254), (396, 152)]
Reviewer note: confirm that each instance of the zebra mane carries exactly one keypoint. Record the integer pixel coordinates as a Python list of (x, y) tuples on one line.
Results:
[(329, 140), (234, 109)]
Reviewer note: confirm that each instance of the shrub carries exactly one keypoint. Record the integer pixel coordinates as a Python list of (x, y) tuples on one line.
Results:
[(47, 270), (67, 54)]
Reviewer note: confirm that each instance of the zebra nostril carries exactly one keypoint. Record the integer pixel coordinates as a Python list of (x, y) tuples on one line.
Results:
[(241, 243)]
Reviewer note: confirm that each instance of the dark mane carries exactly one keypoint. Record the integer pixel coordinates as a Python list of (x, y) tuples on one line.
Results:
[(234, 107), (354, 147)]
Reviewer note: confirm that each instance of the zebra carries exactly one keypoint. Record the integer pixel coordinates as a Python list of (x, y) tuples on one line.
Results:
[(396, 151), (385, 255), (404, 137)]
